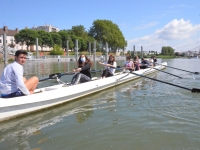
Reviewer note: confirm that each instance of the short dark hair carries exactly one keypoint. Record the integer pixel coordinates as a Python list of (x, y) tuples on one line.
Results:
[(18, 52)]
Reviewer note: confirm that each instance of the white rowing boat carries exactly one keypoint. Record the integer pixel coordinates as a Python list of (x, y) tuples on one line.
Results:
[(54, 95)]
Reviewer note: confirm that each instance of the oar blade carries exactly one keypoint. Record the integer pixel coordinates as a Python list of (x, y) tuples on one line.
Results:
[(196, 72), (195, 90)]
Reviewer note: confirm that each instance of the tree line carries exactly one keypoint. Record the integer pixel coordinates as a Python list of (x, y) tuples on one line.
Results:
[(167, 50), (101, 31)]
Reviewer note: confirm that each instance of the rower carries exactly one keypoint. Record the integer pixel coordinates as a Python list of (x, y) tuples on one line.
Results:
[(136, 63), (12, 82), (128, 64), (110, 67), (144, 64), (83, 71), (151, 61), (154, 61)]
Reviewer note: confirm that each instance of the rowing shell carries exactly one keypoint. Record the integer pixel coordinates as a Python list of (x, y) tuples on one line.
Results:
[(54, 95)]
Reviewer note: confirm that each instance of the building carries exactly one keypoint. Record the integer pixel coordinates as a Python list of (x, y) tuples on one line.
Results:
[(47, 28), (10, 39)]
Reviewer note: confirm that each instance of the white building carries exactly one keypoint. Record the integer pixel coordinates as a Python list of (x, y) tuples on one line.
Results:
[(10, 40), (47, 28)]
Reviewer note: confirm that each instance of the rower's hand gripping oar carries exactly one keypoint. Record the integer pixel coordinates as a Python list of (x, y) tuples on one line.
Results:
[(56, 75), (179, 69), (194, 90)]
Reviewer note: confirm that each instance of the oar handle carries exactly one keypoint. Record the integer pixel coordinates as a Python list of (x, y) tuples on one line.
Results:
[(44, 79)]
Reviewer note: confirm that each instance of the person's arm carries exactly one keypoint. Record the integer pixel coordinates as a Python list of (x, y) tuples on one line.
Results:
[(133, 67), (108, 65), (115, 64), (19, 80), (85, 67)]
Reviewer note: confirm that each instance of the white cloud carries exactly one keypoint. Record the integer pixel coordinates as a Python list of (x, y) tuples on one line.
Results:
[(177, 29), (147, 25), (179, 34)]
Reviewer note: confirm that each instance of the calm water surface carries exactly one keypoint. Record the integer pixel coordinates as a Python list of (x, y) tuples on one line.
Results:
[(142, 114)]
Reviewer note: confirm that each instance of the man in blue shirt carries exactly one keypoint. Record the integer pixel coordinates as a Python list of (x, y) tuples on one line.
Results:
[(12, 82)]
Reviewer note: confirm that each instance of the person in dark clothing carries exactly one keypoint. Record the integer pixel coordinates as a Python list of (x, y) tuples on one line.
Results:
[(83, 71), (144, 64), (154, 61)]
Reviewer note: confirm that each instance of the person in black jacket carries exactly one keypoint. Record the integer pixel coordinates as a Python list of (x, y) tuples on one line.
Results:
[(144, 64), (83, 71)]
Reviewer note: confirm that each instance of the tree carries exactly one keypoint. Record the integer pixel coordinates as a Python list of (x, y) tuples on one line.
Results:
[(106, 31), (64, 37), (56, 38), (167, 50), (45, 39), (26, 36), (79, 31), (57, 50)]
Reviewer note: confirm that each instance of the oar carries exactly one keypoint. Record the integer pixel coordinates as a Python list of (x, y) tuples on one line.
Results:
[(166, 72), (193, 90), (56, 75), (180, 69), (95, 71)]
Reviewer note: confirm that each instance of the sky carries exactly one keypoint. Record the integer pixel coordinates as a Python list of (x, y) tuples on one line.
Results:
[(147, 23)]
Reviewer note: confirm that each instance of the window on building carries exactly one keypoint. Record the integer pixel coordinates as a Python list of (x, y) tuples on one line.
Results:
[(0, 40)]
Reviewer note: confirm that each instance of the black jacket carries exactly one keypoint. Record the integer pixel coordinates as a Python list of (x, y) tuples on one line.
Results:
[(86, 70)]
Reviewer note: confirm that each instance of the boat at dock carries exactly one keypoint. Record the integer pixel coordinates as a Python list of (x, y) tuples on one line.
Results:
[(53, 95)]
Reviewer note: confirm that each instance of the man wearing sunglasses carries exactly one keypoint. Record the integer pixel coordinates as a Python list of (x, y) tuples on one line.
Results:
[(12, 82)]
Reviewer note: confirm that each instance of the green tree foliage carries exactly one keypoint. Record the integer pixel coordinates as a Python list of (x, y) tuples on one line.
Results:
[(57, 50), (26, 36), (106, 31), (79, 31), (64, 37), (56, 38), (167, 50), (81, 34), (45, 39)]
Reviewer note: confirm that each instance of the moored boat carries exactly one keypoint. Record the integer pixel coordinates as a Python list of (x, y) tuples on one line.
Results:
[(54, 95)]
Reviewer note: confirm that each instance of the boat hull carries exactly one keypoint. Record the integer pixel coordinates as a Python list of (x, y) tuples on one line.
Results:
[(58, 94)]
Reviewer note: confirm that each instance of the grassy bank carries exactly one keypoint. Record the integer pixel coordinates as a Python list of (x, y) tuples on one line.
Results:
[(163, 56)]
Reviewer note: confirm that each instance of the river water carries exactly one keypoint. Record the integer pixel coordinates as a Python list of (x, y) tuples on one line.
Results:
[(142, 114)]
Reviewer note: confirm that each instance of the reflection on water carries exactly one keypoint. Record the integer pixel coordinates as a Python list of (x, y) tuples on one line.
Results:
[(141, 114)]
